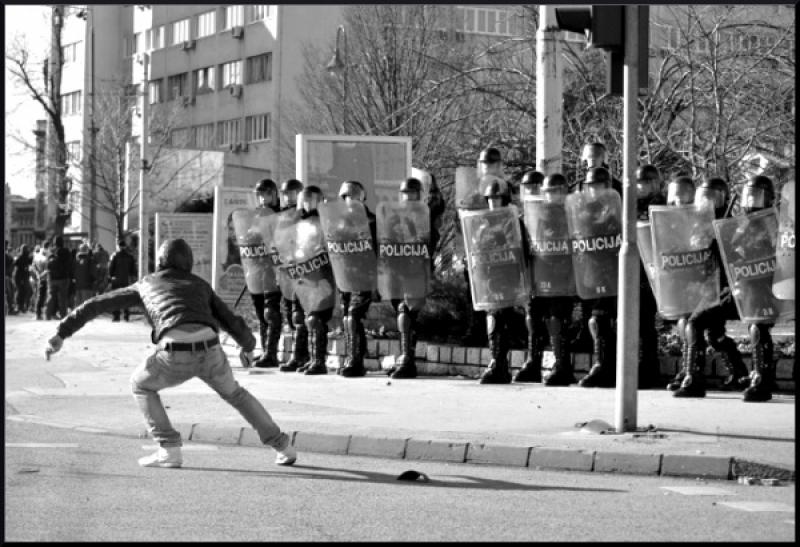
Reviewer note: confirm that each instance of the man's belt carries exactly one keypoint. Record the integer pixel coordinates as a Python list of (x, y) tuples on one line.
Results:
[(190, 346)]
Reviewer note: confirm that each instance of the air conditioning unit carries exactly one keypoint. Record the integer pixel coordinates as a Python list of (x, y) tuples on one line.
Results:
[(236, 90), (188, 44), (237, 32)]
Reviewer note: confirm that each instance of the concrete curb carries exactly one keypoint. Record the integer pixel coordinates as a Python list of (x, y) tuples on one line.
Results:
[(538, 457)]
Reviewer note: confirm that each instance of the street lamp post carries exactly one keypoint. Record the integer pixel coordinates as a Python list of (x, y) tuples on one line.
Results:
[(93, 130), (143, 167), (335, 66)]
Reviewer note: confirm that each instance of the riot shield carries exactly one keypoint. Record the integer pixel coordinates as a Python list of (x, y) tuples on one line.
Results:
[(595, 226), (644, 242), (686, 271), (259, 272), (404, 261), (468, 195), (301, 248), (783, 281), (493, 242), (276, 225), (548, 237), (747, 244), (349, 245)]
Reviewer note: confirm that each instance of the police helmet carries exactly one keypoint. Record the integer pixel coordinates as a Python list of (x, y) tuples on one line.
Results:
[(598, 176), (713, 189), (411, 185), (291, 185), (352, 189), (758, 193), (555, 183), (309, 198), (490, 155), (175, 253), (594, 154), (265, 185), (680, 190), (647, 181)]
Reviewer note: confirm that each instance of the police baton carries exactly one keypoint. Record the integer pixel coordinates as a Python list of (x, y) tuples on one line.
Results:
[(730, 206), (241, 294)]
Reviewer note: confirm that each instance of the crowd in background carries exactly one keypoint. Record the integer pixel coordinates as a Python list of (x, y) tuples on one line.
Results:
[(51, 279)]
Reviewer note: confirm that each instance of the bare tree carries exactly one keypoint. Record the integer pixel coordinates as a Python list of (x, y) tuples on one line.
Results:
[(44, 87)]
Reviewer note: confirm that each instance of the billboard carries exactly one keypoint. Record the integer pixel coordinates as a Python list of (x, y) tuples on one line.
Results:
[(196, 229), (379, 163)]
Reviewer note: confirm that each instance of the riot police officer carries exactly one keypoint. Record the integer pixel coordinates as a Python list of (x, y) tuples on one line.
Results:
[(759, 194), (407, 312), (603, 310), (548, 316), (595, 154), (648, 192), (712, 320), (267, 305), (355, 305), (291, 310), (316, 321)]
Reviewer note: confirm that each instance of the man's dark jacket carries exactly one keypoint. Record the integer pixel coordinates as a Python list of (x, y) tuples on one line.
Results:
[(170, 298)]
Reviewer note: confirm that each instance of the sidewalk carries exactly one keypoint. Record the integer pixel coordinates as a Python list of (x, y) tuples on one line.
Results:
[(452, 419)]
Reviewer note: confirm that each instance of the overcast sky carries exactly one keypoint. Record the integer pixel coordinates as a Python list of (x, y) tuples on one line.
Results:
[(29, 23)]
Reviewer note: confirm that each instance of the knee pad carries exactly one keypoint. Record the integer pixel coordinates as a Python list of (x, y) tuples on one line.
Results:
[(755, 334), (312, 321), (529, 324), (298, 317), (594, 326), (491, 323)]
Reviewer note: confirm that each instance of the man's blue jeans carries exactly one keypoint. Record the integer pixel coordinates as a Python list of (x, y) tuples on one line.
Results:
[(171, 368)]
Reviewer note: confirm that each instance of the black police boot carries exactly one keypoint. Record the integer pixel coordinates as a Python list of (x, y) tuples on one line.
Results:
[(269, 359), (300, 354), (694, 381), (497, 372), (762, 377), (405, 365), (677, 380), (531, 370), (562, 373), (354, 367), (318, 332), (731, 359), (602, 373)]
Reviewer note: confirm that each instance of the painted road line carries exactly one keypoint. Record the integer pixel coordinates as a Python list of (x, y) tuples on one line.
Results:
[(759, 506), (187, 447), (42, 445), (699, 490)]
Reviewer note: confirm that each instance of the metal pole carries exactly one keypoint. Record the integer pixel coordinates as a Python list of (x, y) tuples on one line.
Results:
[(549, 104), (628, 315), (93, 136), (344, 80), (143, 166)]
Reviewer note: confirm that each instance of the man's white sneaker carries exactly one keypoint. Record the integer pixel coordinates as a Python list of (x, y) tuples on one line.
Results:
[(163, 457), (287, 456)]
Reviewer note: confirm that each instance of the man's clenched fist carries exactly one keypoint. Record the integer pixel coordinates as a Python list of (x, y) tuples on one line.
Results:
[(53, 345)]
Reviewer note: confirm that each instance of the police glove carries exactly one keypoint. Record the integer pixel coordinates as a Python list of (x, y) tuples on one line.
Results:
[(53, 345), (246, 358)]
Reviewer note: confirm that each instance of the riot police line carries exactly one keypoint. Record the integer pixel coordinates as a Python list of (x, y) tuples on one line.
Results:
[(700, 268)]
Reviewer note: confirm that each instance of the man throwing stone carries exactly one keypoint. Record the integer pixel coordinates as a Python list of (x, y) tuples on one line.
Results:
[(186, 316)]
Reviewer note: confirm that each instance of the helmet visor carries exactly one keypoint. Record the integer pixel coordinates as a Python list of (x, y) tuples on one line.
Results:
[(411, 195), (308, 202), (679, 194), (754, 197), (289, 198), (717, 197), (530, 189)]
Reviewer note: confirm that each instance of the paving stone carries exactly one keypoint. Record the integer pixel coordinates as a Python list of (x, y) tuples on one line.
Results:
[(432, 353), (473, 356), (380, 447), (421, 350), (321, 442), (459, 355), (517, 358), (638, 464), (216, 434), (554, 458), (445, 354), (696, 466), (498, 455)]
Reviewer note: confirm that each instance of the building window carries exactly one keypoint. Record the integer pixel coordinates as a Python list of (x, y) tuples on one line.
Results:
[(234, 16), (486, 21), (71, 103), (204, 80), (69, 53), (138, 44), (155, 91), (74, 152), (231, 73), (206, 24), (180, 31), (179, 137), (74, 200), (128, 45), (228, 132), (257, 13), (154, 38), (177, 86), (257, 128), (203, 136), (259, 68)]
